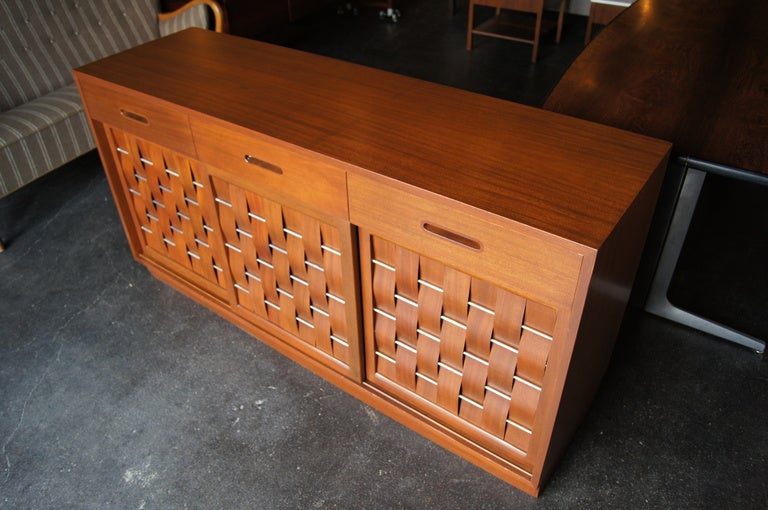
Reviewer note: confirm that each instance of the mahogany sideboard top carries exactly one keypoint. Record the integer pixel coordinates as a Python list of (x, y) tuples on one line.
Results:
[(693, 73), (568, 177)]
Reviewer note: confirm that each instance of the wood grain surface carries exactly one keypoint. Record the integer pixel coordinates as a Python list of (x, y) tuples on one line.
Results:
[(568, 177), (695, 74)]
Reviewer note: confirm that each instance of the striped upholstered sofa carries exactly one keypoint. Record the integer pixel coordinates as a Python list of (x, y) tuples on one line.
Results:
[(42, 123)]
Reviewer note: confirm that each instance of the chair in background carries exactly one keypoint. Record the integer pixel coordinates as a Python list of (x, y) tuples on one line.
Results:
[(512, 28)]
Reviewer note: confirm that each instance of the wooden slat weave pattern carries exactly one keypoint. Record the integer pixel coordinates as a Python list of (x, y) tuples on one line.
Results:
[(286, 267), (172, 204), (461, 343)]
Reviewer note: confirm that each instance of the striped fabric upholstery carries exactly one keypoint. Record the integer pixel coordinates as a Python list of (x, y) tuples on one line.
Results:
[(41, 135), (42, 123), (43, 40)]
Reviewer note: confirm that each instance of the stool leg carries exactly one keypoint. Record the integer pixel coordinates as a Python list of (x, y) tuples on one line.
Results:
[(560, 16), (588, 37), (537, 36), (470, 25), (2, 247)]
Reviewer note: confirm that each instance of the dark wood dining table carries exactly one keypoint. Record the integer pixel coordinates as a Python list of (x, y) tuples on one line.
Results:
[(694, 74)]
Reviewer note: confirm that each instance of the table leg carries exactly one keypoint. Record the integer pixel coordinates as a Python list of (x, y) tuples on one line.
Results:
[(658, 303)]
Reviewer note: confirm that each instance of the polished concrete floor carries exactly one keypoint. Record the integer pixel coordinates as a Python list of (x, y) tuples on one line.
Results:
[(117, 392)]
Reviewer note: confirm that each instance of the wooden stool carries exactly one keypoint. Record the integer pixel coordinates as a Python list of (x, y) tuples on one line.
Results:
[(496, 27)]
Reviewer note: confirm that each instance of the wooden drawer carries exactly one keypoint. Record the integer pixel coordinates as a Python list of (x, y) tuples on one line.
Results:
[(531, 263), (274, 169), (140, 115)]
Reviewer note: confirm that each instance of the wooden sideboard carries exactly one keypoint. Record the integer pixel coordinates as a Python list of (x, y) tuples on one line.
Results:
[(458, 262)]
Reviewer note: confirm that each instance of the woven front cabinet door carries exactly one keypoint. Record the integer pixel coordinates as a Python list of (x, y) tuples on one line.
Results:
[(172, 204), (287, 269), (469, 354)]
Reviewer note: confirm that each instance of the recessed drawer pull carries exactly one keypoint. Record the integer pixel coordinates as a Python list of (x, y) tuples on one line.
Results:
[(251, 160), (134, 116), (452, 236)]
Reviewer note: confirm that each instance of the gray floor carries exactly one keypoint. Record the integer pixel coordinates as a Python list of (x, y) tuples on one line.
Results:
[(117, 392)]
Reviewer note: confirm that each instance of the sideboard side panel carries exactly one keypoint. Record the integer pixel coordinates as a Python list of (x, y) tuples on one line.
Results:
[(607, 298)]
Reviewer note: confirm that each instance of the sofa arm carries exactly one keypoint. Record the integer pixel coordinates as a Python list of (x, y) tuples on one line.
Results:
[(191, 14)]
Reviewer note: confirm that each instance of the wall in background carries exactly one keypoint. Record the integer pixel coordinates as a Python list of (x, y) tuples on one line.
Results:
[(573, 6)]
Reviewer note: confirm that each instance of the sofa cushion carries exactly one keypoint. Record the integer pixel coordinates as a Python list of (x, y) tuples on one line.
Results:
[(41, 41), (40, 135)]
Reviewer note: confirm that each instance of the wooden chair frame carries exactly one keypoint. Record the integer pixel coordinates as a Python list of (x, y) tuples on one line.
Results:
[(493, 27)]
